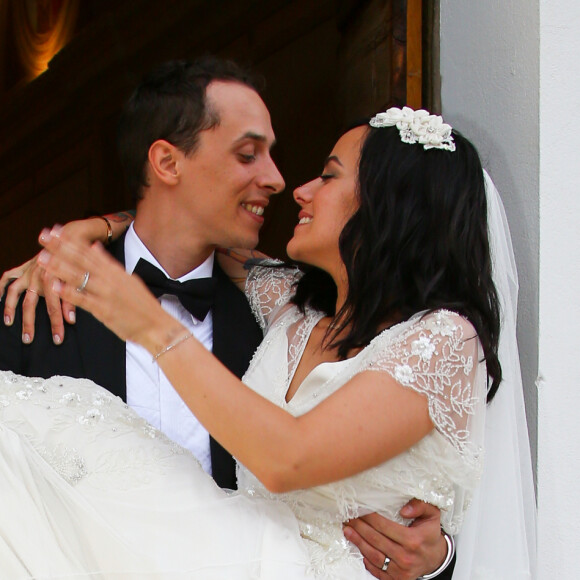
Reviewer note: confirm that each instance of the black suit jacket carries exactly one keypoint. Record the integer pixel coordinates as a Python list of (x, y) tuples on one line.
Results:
[(90, 350)]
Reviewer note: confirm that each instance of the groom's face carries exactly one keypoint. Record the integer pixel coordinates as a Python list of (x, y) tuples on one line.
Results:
[(231, 175)]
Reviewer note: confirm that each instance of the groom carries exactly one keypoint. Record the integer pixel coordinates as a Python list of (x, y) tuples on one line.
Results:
[(195, 142)]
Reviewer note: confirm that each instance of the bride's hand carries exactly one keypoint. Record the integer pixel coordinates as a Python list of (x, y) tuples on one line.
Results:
[(28, 278), (90, 278)]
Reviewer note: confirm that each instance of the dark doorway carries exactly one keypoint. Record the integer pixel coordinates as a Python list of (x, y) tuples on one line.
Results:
[(325, 63)]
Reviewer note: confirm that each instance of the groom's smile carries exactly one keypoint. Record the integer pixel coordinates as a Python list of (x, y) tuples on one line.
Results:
[(231, 172)]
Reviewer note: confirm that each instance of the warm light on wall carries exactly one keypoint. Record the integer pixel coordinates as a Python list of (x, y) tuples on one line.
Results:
[(41, 29)]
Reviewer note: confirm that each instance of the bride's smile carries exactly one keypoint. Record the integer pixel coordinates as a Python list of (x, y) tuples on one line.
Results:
[(326, 204)]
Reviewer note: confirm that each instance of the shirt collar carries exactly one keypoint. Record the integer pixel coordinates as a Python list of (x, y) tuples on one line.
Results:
[(135, 249)]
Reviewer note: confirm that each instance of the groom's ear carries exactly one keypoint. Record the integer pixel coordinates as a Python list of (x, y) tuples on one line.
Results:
[(163, 159)]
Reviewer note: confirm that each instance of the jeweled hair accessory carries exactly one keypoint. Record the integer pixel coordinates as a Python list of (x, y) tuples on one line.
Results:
[(417, 127)]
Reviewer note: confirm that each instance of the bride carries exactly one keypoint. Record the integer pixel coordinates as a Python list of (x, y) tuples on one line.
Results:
[(368, 390)]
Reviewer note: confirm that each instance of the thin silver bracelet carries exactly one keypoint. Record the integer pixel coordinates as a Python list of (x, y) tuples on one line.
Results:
[(172, 345), (450, 553)]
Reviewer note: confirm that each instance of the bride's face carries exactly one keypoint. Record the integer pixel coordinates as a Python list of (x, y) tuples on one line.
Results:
[(326, 204)]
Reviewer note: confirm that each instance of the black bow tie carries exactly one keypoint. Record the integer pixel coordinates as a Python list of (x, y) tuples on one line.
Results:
[(196, 295)]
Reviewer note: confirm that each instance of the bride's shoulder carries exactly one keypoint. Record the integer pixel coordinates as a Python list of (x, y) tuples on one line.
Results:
[(436, 354), (272, 271), (446, 323), (442, 323), (270, 286), (427, 336)]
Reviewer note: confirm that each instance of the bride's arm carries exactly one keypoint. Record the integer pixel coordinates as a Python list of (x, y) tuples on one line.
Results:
[(27, 277), (283, 451), (369, 420)]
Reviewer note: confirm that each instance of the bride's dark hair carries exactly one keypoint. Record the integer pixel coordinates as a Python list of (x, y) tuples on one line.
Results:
[(418, 241)]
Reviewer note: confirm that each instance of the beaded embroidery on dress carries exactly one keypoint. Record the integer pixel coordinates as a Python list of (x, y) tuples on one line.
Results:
[(88, 489)]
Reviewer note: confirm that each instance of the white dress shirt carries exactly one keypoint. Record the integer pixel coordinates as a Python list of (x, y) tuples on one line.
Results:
[(148, 390)]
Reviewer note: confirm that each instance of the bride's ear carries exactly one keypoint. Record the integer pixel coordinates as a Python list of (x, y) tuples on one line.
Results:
[(163, 161)]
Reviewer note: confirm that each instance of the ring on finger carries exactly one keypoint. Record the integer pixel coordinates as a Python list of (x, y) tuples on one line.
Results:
[(386, 564), (84, 282), (33, 291)]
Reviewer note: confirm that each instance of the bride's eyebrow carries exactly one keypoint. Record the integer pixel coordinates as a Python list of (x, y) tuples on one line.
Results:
[(331, 158)]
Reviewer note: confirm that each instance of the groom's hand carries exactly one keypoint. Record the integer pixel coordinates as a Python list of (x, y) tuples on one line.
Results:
[(414, 550)]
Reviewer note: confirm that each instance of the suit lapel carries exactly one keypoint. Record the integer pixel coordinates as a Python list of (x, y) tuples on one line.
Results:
[(236, 336), (102, 352)]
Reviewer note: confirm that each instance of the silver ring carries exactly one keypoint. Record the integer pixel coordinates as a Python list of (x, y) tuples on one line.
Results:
[(84, 282), (386, 564)]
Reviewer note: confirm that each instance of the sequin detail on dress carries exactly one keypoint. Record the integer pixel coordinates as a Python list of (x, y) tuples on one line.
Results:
[(268, 288), (434, 357), (97, 412)]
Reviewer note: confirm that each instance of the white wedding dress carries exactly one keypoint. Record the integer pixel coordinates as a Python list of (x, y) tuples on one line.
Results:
[(90, 490)]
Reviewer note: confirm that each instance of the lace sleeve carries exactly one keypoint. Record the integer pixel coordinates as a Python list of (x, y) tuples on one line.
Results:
[(438, 356), (269, 288)]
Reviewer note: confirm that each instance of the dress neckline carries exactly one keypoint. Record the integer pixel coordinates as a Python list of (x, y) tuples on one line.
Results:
[(309, 320), (294, 353)]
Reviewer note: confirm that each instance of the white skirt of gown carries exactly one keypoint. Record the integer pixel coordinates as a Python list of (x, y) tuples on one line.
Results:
[(90, 490)]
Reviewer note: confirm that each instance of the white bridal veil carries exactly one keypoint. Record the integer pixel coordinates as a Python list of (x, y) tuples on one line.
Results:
[(498, 539)]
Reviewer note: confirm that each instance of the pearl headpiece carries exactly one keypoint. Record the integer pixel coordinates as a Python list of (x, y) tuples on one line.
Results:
[(417, 127)]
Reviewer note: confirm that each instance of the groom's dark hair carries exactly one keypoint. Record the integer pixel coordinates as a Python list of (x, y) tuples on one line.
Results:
[(170, 103)]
